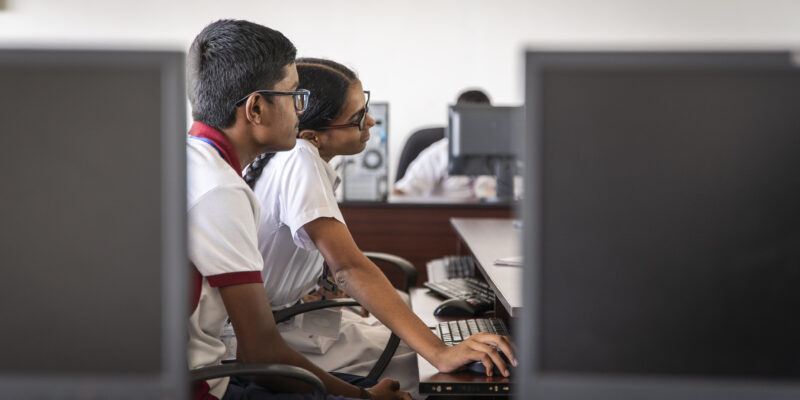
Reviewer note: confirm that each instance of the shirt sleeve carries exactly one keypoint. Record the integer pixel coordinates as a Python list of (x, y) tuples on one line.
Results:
[(307, 194), (426, 172), (222, 237)]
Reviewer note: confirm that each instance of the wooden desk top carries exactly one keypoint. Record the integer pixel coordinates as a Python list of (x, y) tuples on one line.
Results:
[(489, 239), (424, 303)]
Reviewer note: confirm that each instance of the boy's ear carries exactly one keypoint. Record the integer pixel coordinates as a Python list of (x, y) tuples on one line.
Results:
[(253, 110), (309, 135)]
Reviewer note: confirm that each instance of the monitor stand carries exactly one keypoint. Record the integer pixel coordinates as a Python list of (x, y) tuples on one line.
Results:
[(504, 177)]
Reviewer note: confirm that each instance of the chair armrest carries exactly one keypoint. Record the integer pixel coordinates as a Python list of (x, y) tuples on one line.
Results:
[(275, 370), (399, 262), (289, 312)]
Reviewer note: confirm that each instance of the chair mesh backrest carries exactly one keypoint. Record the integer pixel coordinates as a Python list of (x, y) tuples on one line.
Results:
[(417, 142)]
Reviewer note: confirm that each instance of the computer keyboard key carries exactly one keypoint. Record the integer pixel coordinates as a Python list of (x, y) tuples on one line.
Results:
[(477, 293)]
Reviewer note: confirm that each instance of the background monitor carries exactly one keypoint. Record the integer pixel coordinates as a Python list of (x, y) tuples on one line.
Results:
[(92, 239), (484, 140), (662, 228)]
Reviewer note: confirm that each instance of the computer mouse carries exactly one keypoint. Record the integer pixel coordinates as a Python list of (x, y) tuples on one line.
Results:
[(455, 308), (478, 367)]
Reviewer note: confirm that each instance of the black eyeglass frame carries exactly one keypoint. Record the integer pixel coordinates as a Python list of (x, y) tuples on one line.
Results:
[(359, 124), (303, 94)]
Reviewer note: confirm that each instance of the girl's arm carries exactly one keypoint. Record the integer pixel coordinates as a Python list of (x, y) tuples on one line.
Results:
[(363, 280)]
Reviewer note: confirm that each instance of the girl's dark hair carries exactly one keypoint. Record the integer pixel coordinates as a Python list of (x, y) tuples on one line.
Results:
[(228, 60), (328, 82)]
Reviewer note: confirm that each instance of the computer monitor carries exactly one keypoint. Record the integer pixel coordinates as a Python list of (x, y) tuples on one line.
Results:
[(662, 228), (484, 140), (92, 238)]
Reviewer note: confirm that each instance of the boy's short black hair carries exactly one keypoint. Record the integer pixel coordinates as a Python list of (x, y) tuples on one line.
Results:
[(228, 60)]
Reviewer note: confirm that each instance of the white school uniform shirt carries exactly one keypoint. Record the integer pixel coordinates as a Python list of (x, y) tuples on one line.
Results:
[(427, 176), (295, 188), (222, 214)]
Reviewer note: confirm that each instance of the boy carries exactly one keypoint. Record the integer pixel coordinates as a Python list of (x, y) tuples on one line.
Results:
[(242, 85)]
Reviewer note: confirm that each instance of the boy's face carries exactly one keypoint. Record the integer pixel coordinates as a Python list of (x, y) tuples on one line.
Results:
[(280, 126)]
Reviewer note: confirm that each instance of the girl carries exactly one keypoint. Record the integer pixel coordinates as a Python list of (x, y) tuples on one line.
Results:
[(301, 225)]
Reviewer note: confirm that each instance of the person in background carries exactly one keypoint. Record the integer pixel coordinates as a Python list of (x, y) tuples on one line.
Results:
[(243, 87), (427, 175)]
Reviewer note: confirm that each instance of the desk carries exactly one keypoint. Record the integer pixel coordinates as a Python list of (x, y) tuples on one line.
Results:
[(487, 239), (418, 232)]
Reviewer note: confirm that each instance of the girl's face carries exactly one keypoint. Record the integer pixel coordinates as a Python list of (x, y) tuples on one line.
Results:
[(347, 140)]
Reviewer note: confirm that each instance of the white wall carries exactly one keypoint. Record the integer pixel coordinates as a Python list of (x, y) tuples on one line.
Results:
[(416, 54)]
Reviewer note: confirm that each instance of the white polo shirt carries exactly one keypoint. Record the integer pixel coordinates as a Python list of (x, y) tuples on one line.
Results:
[(295, 188), (427, 176), (222, 214)]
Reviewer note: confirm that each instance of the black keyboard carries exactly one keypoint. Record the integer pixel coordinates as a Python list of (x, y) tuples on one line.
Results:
[(476, 292), (454, 332), (460, 267)]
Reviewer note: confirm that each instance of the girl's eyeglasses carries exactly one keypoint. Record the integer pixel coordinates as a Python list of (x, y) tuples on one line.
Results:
[(361, 119)]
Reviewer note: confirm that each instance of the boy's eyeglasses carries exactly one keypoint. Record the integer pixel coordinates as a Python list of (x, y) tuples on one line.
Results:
[(361, 119), (300, 97)]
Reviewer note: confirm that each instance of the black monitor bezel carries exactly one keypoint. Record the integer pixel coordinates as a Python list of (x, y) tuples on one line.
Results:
[(534, 381), (172, 381), (476, 163)]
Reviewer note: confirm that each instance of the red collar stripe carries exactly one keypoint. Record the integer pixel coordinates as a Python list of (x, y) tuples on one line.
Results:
[(220, 142)]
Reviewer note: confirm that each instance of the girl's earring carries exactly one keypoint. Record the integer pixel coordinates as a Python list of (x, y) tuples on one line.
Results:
[(314, 140)]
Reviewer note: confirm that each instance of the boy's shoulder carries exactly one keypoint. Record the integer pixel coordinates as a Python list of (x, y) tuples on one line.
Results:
[(207, 171)]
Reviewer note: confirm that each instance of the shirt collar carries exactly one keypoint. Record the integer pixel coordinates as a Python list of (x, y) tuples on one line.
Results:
[(330, 172), (224, 145)]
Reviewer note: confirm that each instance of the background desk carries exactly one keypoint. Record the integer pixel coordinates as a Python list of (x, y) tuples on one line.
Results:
[(416, 231)]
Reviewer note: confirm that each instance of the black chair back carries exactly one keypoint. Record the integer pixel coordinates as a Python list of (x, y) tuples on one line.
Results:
[(418, 141)]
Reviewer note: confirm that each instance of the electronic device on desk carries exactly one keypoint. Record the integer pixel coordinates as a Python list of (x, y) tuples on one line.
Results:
[(485, 140), (662, 230), (477, 367), (455, 308), (472, 380), (449, 267), (365, 175), (472, 291), (94, 194), (454, 332)]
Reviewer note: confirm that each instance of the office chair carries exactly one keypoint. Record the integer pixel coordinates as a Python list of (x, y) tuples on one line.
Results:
[(289, 371), (274, 370), (417, 141), (410, 278)]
